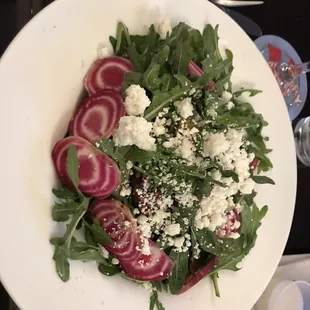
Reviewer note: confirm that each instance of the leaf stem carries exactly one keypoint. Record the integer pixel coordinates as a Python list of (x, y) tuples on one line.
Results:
[(214, 278)]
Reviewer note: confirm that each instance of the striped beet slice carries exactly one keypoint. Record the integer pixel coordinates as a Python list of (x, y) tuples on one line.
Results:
[(98, 116), (99, 174), (199, 275), (118, 222), (195, 71), (154, 267), (107, 73)]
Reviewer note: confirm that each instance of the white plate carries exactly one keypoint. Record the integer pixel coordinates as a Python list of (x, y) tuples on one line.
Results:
[(41, 78)]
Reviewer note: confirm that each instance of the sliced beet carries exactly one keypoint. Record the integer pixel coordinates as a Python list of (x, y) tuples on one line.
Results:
[(229, 227), (107, 73), (99, 174), (194, 70), (154, 267), (199, 275), (117, 221), (98, 116)]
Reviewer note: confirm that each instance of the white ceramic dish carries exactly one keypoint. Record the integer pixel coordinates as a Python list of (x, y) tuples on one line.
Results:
[(41, 78)]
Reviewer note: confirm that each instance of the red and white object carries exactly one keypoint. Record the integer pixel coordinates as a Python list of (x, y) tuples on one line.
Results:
[(194, 70), (98, 116), (119, 224), (231, 227), (199, 275), (107, 73), (99, 174)]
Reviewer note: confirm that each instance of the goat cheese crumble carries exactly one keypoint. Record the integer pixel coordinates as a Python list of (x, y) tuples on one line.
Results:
[(134, 130), (136, 100), (163, 27)]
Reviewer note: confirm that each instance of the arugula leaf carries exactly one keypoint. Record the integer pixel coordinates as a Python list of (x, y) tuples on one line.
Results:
[(62, 265), (150, 77), (61, 211), (140, 156), (210, 41), (230, 174), (109, 270), (73, 166), (182, 54), (197, 46), (98, 232), (64, 193), (161, 100), (251, 218), (203, 189), (260, 179), (214, 278), (63, 245), (155, 304), (253, 92), (89, 238), (179, 272)]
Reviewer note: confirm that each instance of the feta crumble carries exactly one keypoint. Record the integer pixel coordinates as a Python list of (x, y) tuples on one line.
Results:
[(173, 229), (163, 27), (226, 96), (102, 52), (134, 130), (136, 100), (185, 108)]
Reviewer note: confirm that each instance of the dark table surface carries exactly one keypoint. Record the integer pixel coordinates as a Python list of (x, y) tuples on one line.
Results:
[(285, 18)]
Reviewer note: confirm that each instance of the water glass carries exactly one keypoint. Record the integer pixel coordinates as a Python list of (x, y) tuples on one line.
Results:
[(302, 140)]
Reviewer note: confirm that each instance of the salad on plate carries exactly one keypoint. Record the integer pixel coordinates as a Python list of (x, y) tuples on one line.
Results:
[(159, 165)]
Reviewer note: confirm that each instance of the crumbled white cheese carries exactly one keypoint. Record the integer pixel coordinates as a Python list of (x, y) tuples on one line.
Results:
[(247, 186), (237, 224), (211, 112), (148, 286), (226, 96), (134, 130), (178, 242), (215, 144), (102, 52), (136, 100), (104, 252), (129, 165), (185, 108), (115, 261), (173, 229), (163, 27), (229, 105), (159, 126), (125, 191), (234, 235), (146, 250)]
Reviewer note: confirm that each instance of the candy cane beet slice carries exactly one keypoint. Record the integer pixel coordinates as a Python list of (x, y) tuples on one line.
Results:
[(231, 226), (107, 73), (99, 174), (199, 275), (154, 267), (194, 70), (98, 116), (117, 221)]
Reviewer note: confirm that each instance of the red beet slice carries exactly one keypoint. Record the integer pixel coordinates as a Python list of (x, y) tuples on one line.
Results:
[(254, 163), (194, 70), (107, 73), (229, 227), (117, 221), (199, 275), (99, 174), (98, 116), (154, 267)]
